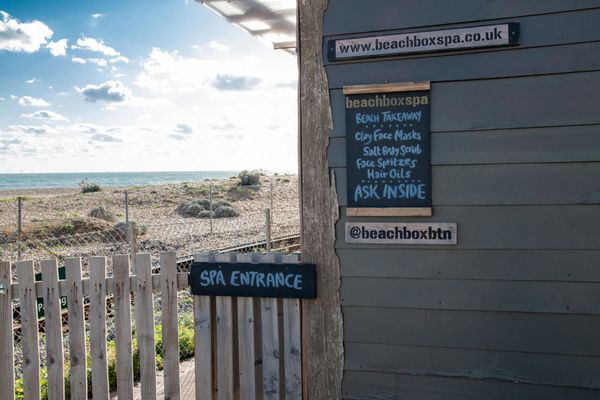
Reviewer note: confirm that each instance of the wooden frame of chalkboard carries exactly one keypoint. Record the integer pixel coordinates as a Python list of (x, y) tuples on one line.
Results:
[(388, 150)]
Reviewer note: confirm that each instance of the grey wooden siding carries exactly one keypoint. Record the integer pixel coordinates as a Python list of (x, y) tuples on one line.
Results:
[(512, 311)]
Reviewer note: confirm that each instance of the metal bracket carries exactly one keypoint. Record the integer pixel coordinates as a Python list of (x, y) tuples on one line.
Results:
[(3, 288)]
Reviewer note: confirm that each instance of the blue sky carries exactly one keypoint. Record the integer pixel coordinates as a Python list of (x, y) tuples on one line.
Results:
[(140, 86)]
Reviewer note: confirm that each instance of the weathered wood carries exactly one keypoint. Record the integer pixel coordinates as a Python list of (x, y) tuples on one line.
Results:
[(29, 331), (224, 341), (247, 356), (322, 318), (270, 342), (203, 342), (170, 327), (7, 364), (542, 333), (123, 341), (77, 350), (98, 360), (389, 212), (386, 88), (144, 322), (53, 325), (292, 342), (504, 366)]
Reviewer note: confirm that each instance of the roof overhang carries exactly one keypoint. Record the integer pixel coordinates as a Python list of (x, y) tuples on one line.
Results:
[(270, 20)]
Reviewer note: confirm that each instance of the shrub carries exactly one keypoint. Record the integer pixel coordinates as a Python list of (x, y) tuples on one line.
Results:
[(249, 178), (102, 213), (89, 187), (121, 228), (201, 209), (225, 212)]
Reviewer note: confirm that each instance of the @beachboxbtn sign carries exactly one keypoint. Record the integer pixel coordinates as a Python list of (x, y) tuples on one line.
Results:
[(253, 280), (401, 233)]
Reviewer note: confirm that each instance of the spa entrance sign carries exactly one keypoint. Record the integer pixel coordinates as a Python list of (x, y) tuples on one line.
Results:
[(388, 149), (253, 280)]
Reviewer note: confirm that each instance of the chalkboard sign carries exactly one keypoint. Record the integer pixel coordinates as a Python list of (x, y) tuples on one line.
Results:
[(253, 280), (388, 153)]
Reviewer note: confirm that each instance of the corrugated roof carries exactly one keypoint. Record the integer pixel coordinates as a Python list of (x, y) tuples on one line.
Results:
[(271, 20)]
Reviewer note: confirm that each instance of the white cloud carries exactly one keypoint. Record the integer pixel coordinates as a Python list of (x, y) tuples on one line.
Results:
[(32, 129), (78, 60), (183, 129), (109, 92), (96, 45), (104, 137), (58, 48), (218, 46), (2, 99), (97, 15), (16, 36), (46, 115), (28, 101), (101, 62), (122, 59), (32, 81)]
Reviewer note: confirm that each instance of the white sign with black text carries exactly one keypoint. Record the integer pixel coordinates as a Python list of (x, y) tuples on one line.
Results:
[(434, 233)]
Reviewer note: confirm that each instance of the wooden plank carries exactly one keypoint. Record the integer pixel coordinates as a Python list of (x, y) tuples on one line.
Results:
[(389, 212), (499, 331), (475, 64), (378, 385), (503, 146), (380, 15), (511, 227), (144, 318), (270, 341), (322, 323), (53, 325), (386, 88), (7, 363), (247, 356), (29, 331), (170, 327), (77, 349), (98, 358), (500, 111), (515, 184), (504, 265), (203, 342), (123, 341), (549, 297), (292, 342), (559, 370), (224, 342)]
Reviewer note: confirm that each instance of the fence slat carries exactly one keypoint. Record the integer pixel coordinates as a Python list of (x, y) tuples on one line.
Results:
[(76, 328), (98, 328), (224, 342), (292, 343), (203, 342), (53, 325), (247, 359), (270, 343), (170, 328), (144, 317), (7, 366), (29, 331), (123, 344)]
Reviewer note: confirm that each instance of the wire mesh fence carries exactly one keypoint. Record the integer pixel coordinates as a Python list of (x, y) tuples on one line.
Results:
[(188, 218)]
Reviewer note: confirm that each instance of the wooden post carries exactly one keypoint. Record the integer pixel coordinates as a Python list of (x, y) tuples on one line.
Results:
[(224, 342), (268, 229), (211, 208), (98, 328), (144, 318), (203, 339), (170, 328), (247, 357), (7, 364), (126, 208), (123, 327), (322, 324), (53, 325), (292, 342), (19, 226), (29, 331), (132, 234), (270, 343), (77, 348)]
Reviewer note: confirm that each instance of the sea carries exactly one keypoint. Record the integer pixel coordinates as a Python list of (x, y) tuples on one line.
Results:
[(106, 179)]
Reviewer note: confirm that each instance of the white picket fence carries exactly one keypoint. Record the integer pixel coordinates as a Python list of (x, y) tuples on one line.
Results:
[(238, 341)]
